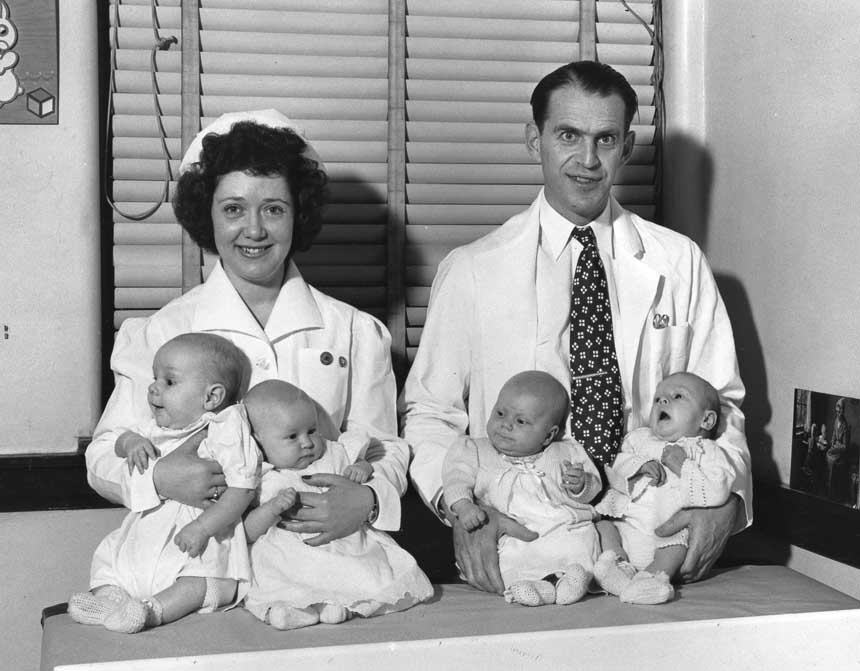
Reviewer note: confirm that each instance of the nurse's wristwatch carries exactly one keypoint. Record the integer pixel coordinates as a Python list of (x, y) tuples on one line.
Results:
[(373, 515)]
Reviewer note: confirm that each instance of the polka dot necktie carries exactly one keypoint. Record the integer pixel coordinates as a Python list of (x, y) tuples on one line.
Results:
[(596, 396)]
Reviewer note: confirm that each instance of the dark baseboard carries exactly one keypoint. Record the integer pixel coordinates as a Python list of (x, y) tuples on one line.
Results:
[(792, 517), (783, 516), (46, 482)]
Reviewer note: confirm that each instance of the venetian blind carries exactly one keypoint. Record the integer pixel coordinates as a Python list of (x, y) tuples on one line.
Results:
[(322, 63), (471, 68), (417, 108)]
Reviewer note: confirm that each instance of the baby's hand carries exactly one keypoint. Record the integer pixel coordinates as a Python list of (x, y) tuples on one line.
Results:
[(572, 478), (653, 469), (359, 472), (283, 501), (137, 451), (470, 515), (192, 538), (674, 457)]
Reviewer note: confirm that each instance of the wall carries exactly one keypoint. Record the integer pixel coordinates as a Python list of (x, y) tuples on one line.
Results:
[(49, 299), (762, 171), (45, 557)]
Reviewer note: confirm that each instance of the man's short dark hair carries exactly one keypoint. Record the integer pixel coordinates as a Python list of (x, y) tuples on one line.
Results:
[(591, 77)]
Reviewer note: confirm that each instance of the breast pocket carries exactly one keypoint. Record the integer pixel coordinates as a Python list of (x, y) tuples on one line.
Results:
[(669, 348), (324, 376)]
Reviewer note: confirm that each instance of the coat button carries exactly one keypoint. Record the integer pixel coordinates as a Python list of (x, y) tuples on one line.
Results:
[(326, 358), (341, 360)]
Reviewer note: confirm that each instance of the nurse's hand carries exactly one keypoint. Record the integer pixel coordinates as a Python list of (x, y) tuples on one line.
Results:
[(334, 513), (477, 552), (709, 529), (185, 477)]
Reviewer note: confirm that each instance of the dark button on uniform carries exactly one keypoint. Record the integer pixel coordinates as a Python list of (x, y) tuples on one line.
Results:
[(342, 361), (326, 358)]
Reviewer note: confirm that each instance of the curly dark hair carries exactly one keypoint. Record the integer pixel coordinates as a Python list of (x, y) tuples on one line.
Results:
[(259, 150)]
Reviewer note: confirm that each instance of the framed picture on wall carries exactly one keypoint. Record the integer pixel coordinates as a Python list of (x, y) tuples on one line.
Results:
[(825, 442), (29, 66)]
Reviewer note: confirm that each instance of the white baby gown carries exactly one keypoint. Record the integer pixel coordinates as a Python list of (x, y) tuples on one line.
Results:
[(141, 557), (365, 572)]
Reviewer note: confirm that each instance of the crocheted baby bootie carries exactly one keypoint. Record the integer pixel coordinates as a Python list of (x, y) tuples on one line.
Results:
[(89, 608), (613, 574), (333, 614), (648, 589), (283, 616), (572, 585), (531, 593), (128, 618)]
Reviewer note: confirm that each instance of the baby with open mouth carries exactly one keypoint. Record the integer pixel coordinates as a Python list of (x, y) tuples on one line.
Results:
[(671, 464)]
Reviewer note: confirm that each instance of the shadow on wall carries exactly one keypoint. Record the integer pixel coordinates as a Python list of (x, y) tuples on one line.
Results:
[(688, 176), (688, 185)]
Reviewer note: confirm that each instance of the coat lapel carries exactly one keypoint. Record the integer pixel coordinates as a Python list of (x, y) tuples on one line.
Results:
[(505, 283), (638, 287)]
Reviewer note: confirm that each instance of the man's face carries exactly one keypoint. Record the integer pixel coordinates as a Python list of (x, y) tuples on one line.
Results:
[(581, 148)]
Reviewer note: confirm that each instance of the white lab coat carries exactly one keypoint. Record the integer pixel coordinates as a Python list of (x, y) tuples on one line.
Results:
[(481, 329), (339, 355)]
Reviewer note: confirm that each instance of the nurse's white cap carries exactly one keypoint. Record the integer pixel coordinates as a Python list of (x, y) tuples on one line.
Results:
[(224, 123)]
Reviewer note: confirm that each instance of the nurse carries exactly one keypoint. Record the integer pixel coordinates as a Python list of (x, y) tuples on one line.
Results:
[(503, 304), (251, 189)]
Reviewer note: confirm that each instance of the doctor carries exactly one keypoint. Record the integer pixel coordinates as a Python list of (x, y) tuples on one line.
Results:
[(501, 305), (251, 190)]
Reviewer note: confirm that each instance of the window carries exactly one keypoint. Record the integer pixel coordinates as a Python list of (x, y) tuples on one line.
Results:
[(417, 107)]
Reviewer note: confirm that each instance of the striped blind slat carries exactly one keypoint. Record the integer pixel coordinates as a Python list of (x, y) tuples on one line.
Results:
[(468, 71), (471, 68), (322, 64)]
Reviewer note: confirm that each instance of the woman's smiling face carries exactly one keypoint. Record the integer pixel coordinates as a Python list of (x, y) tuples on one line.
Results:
[(252, 218)]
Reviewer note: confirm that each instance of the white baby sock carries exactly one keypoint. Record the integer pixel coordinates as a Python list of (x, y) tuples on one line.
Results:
[(613, 574), (572, 585), (333, 614), (89, 608), (128, 618), (531, 593), (283, 616), (648, 588)]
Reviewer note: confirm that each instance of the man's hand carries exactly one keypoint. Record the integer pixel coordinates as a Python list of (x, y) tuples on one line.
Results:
[(477, 552), (192, 538), (335, 513), (673, 458), (709, 528), (185, 477), (652, 469)]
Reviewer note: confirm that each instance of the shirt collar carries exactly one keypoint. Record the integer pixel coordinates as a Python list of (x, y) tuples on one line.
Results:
[(556, 230), (221, 308)]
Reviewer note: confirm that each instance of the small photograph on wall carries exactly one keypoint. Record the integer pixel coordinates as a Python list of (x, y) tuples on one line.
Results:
[(824, 452), (29, 66)]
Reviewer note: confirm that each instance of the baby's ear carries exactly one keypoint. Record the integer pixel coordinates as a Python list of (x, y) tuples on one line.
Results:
[(709, 421), (215, 395), (553, 432)]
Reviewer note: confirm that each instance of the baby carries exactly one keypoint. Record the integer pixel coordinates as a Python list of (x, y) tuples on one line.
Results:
[(172, 560), (671, 464), (296, 584), (521, 470)]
